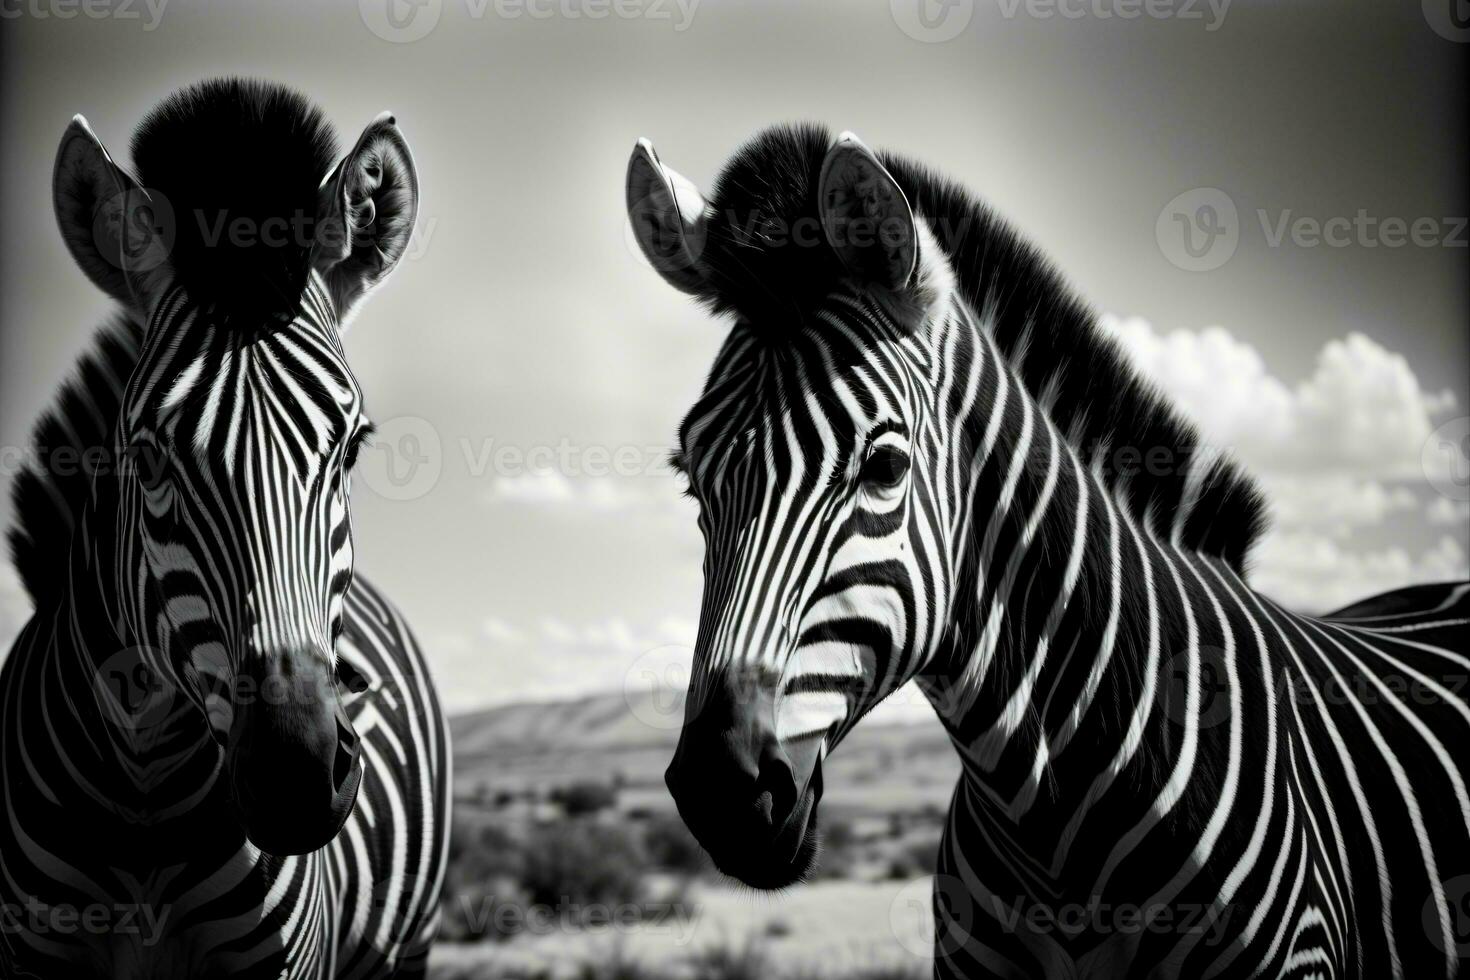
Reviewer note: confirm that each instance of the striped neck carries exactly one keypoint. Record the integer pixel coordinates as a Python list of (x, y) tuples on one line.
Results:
[(1055, 674)]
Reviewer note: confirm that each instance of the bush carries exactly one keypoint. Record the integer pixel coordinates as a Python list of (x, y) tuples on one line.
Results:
[(583, 862), (481, 851), (671, 847), (914, 860), (585, 798), (485, 863), (839, 850), (748, 962)]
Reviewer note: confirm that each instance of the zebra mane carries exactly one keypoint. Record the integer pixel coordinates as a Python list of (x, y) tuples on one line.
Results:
[(53, 487), (240, 164), (1049, 336)]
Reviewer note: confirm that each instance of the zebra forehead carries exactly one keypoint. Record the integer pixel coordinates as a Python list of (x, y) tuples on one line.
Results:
[(841, 356), (289, 377), (803, 404)]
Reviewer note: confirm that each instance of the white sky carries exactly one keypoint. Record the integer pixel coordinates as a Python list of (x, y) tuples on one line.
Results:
[(523, 320)]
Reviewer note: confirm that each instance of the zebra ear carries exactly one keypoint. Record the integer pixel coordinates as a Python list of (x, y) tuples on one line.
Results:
[(116, 232), (866, 217), (669, 219), (367, 211)]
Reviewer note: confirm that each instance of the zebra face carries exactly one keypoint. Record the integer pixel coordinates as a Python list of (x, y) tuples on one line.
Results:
[(241, 423), (814, 454), (243, 441)]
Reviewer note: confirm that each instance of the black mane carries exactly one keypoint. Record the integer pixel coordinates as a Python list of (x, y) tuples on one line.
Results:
[(238, 154), (759, 261), (50, 492)]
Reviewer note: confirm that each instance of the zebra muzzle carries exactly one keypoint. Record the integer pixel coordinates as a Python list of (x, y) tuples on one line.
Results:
[(748, 798), (293, 755)]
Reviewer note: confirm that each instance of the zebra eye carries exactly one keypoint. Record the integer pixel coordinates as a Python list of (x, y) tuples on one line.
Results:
[(885, 468)]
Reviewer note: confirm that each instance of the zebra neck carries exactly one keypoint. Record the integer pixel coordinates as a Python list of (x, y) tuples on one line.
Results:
[(1050, 680), (136, 743)]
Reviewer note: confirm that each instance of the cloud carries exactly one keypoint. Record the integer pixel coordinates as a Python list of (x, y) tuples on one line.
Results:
[(1444, 511), (1315, 574), (533, 489), (604, 494), (1361, 411), (554, 658), (1340, 456), (1215, 379), (497, 630), (1336, 504)]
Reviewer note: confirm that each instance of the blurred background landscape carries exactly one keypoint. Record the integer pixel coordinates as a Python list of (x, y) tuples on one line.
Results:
[(523, 346), (561, 805)]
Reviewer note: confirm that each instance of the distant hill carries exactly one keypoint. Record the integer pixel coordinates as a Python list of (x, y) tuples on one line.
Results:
[(631, 738), (602, 721)]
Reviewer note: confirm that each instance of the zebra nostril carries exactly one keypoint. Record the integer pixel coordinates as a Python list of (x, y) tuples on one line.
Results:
[(776, 784)]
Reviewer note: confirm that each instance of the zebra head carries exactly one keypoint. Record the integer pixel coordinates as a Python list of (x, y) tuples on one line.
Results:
[(820, 454), (242, 247)]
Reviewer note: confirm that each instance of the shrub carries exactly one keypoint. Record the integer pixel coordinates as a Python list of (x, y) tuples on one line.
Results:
[(585, 798), (671, 846), (481, 851), (839, 850), (583, 862), (915, 859), (484, 865), (748, 962)]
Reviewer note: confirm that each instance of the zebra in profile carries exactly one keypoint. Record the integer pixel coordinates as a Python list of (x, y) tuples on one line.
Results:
[(222, 755), (917, 457)]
